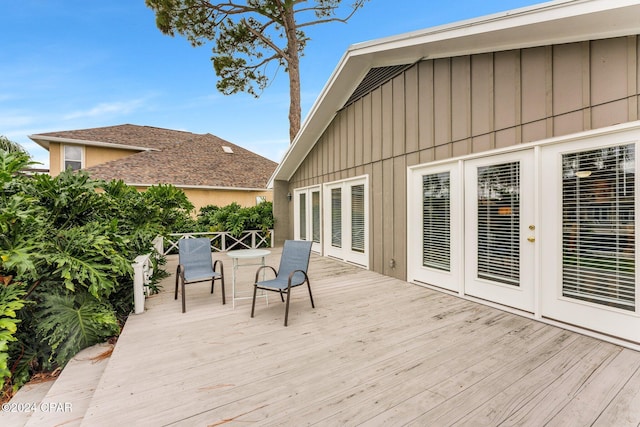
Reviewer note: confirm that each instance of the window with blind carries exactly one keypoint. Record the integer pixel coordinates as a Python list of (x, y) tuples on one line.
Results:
[(72, 157), (315, 216), (357, 218), (303, 216), (336, 217), (436, 221), (499, 223), (598, 226)]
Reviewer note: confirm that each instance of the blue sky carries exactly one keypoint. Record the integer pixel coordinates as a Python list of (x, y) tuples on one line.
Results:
[(75, 64)]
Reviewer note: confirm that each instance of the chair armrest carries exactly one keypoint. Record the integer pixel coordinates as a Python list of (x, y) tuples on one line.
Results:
[(275, 273), (215, 263), (306, 278)]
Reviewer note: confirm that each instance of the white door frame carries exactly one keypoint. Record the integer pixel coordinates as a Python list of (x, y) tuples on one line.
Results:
[(522, 296), (609, 320), (345, 252), (308, 192), (453, 278)]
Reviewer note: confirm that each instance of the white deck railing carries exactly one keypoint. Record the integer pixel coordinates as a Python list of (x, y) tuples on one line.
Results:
[(142, 272), (222, 241)]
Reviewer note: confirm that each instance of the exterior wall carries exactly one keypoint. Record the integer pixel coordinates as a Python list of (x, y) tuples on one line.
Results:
[(203, 197), (449, 107), (55, 158), (92, 156), (97, 155), (199, 197)]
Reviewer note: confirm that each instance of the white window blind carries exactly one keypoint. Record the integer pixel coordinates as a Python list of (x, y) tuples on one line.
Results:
[(436, 221), (303, 216), (336, 217), (598, 226), (72, 157), (499, 223), (357, 218), (315, 216)]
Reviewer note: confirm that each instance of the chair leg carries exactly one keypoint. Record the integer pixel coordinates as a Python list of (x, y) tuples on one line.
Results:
[(177, 278), (281, 297), (213, 281), (183, 299), (253, 303), (286, 310), (224, 300), (310, 296)]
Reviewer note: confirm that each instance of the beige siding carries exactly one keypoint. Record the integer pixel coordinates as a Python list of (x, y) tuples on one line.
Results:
[(456, 106)]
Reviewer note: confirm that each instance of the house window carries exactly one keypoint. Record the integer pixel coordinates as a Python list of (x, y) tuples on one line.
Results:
[(436, 221), (598, 226), (72, 157)]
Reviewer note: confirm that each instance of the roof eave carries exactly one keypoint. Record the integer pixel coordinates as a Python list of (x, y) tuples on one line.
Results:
[(45, 140), (562, 21)]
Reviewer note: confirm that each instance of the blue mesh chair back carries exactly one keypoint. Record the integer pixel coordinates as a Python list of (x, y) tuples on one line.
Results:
[(292, 272), (295, 256), (195, 256), (195, 264)]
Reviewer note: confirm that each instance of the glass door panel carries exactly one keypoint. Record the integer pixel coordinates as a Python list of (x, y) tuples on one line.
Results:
[(500, 229)]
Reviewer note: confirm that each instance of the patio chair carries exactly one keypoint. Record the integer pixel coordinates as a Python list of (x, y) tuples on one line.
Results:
[(195, 265), (291, 273)]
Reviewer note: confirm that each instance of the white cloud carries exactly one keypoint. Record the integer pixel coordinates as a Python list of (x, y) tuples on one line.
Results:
[(107, 108)]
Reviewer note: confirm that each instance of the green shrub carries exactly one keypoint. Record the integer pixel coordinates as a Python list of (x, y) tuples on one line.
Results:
[(68, 241)]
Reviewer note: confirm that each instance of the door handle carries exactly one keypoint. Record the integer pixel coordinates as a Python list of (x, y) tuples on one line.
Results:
[(531, 239)]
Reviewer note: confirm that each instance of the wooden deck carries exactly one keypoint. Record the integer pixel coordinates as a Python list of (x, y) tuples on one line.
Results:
[(375, 351)]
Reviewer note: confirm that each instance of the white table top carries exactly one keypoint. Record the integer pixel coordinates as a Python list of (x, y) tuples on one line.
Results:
[(248, 253)]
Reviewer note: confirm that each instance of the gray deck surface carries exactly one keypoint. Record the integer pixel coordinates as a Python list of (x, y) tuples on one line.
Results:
[(375, 351)]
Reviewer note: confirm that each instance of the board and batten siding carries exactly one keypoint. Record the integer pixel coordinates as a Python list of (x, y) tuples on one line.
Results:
[(448, 107)]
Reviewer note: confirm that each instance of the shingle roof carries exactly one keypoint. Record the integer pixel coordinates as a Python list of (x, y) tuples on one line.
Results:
[(173, 157)]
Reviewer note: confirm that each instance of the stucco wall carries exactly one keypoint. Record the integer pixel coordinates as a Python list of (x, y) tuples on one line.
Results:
[(444, 108)]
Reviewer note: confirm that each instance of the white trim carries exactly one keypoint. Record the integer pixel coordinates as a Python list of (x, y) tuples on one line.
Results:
[(610, 130), (346, 254), (308, 191), (601, 322), (41, 139), (452, 279), (63, 156), (553, 22)]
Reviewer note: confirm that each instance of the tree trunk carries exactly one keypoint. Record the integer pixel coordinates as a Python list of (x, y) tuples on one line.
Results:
[(293, 64)]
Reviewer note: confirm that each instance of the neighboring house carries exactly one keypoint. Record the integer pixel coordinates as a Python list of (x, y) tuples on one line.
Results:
[(493, 159), (210, 170)]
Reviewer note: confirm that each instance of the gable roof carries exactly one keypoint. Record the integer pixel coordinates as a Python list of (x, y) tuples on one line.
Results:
[(167, 156), (561, 21)]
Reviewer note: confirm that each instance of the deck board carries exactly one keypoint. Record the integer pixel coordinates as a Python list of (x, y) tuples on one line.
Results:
[(374, 351)]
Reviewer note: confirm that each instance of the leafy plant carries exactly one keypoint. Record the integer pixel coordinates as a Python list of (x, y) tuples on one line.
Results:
[(11, 302), (70, 322)]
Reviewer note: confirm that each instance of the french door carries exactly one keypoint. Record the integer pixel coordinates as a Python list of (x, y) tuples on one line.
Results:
[(434, 228), (308, 208), (590, 235), (346, 220), (500, 229)]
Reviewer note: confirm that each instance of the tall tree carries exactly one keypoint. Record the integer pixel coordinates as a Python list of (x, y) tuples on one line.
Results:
[(9, 146), (250, 35)]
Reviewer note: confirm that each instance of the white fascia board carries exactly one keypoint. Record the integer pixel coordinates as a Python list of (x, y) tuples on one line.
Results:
[(44, 140), (555, 22)]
